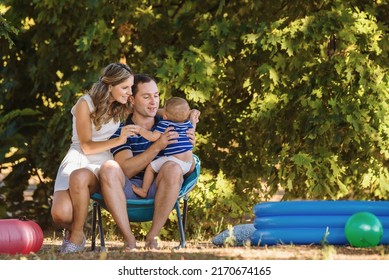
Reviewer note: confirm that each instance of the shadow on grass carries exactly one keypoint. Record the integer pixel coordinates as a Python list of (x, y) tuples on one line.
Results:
[(207, 251), (50, 251)]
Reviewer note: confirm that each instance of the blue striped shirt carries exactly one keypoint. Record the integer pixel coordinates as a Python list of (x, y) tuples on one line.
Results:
[(137, 144), (183, 144)]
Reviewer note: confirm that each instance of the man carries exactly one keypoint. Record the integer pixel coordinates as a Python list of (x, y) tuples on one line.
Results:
[(133, 157)]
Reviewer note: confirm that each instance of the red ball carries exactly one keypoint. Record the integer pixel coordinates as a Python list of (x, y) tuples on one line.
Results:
[(20, 236)]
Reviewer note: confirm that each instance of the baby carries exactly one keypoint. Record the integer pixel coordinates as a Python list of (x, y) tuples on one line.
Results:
[(175, 114)]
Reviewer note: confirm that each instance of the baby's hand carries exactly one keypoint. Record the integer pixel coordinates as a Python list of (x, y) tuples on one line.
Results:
[(194, 116)]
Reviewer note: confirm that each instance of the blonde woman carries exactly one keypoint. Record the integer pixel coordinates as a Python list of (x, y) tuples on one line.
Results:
[(96, 116)]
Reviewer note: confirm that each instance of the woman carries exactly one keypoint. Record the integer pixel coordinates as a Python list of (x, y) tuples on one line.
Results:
[(96, 116)]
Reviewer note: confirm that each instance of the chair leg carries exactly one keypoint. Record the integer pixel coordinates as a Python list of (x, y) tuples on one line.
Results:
[(185, 212), (180, 225), (94, 218), (101, 230)]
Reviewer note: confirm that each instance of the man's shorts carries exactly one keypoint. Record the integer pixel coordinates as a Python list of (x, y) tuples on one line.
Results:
[(138, 182)]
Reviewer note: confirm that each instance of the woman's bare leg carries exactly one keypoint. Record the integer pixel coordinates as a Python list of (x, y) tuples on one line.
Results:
[(82, 182), (62, 209)]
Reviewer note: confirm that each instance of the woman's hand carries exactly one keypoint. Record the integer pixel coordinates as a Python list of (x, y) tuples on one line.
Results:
[(125, 132), (134, 129)]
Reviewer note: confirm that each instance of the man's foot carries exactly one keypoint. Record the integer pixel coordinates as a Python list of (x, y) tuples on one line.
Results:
[(152, 244), (130, 248), (139, 191), (130, 244)]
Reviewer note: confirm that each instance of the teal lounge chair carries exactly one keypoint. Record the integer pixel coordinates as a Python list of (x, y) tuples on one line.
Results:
[(142, 210)]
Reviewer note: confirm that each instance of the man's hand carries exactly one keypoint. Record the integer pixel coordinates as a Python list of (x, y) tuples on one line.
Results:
[(168, 137), (191, 135)]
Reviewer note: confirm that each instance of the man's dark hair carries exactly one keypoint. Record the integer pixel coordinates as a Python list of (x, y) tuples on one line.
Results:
[(140, 79)]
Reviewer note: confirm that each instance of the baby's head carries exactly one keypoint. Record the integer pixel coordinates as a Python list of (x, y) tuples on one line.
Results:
[(177, 109)]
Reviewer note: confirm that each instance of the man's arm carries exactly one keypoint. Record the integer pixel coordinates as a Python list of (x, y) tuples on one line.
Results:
[(132, 165)]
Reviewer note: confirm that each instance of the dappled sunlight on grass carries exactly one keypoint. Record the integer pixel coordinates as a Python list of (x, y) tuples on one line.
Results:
[(207, 251)]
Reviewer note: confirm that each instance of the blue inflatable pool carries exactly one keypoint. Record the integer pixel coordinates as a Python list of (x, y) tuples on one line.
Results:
[(312, 222)]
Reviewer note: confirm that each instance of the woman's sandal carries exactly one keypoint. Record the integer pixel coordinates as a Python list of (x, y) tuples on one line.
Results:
[(65, 239), (70, 247)]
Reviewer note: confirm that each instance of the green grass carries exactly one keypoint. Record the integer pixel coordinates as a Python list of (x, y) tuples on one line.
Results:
[(207, 251)]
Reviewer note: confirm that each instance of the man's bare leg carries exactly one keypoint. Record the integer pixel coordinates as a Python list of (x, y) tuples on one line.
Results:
[(112, 184), (169, 182)]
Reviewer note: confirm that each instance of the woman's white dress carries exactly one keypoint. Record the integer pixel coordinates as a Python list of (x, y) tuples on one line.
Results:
[(75, 157)]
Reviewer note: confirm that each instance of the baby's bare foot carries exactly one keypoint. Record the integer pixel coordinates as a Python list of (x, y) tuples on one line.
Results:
[(139, 191)]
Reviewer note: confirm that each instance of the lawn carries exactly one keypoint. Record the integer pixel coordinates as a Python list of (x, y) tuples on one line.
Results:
[(207, 251)]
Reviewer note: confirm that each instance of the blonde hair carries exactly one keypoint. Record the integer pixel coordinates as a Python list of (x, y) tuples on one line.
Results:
[(113, 74), (177, 109)]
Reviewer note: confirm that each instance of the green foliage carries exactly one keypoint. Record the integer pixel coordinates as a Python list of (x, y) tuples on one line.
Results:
[(6, 29), (215, 204), (292, 94), (333, 144)]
